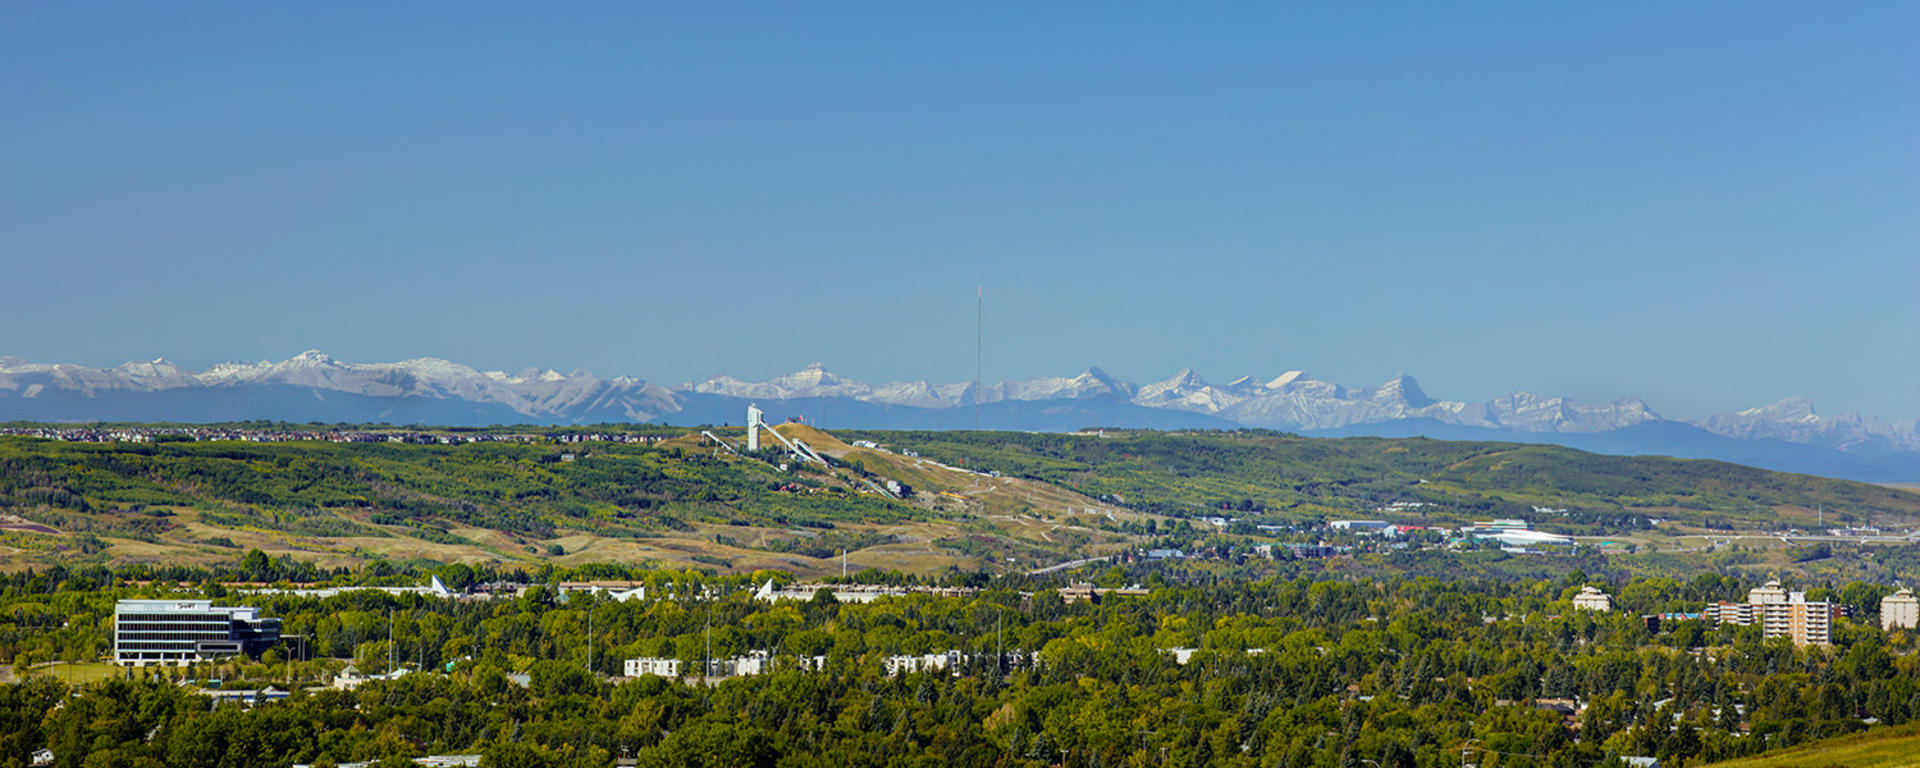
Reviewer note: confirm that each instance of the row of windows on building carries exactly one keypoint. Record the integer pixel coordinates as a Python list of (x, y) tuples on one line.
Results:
[(185, 631)]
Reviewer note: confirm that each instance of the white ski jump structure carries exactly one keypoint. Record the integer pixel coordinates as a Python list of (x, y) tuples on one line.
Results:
[(716, 438), (757, 420)]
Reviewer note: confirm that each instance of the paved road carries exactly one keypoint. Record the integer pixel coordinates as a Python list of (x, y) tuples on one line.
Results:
[(1069, 564)]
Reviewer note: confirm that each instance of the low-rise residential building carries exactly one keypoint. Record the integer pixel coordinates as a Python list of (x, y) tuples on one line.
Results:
[(1077, 592), (245, 698), (351, 678), (650, 665), (1592, 599), (900, 665), (430, 761), (756, 662)]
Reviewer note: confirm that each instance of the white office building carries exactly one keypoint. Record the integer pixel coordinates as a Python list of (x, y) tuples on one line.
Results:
[(185, 631)]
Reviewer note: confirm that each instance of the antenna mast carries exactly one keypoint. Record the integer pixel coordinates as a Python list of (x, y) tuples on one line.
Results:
[(979, 344)]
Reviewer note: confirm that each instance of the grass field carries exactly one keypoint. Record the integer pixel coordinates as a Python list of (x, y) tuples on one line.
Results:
[(80, 672), (1878, 748)]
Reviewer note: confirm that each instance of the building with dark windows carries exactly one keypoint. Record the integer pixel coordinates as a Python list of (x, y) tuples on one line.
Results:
[(185, 631)]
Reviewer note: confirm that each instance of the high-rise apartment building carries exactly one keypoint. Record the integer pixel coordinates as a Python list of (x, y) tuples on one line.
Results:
[(1900, 610), (1780, 614)]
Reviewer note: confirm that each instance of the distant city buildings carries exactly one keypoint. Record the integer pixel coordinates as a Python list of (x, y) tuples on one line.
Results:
[(430, 761), (147, 632), (1088, 592), (755, 662), (931, 662), (433, 589), (851, 593), (1900, 610), (1515, 534)]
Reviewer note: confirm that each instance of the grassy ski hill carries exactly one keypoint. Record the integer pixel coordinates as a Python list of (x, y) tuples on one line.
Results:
[(973, 499)]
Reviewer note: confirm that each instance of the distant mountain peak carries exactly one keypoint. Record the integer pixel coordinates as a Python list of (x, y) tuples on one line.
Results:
[(1797, 408), (1407, 389), (1288, 378), (1294, 400), (1794, 420), (1185, 379)]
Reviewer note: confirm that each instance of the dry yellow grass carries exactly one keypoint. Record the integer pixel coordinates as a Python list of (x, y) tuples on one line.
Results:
[(1895, 747)]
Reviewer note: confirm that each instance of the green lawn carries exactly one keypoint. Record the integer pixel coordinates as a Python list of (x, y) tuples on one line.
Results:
[(82, 672)]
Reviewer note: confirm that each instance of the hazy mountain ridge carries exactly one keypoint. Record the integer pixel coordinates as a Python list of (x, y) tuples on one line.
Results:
[(314, 386), (1794, 420)]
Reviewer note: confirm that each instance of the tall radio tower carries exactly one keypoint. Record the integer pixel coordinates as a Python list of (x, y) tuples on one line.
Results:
[(979, 343)]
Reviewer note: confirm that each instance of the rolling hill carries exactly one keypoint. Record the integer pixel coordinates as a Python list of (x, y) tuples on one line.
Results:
[(971, 498)]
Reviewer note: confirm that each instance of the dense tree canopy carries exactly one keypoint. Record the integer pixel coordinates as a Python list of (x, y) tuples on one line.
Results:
[(1285, 671)]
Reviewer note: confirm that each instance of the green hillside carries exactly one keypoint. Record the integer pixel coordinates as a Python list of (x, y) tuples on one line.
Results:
[(1895, 747), (681, 502), (1286, 475), (980, 497)]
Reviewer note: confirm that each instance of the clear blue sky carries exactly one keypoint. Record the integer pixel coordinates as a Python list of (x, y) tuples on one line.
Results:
[(1710, 205)]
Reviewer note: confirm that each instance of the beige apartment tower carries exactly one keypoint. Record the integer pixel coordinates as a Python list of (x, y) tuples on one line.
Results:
[(1780, 614), (1900, 610)]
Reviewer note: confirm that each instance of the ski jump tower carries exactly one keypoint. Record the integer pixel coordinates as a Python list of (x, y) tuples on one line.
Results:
[(756, 420)]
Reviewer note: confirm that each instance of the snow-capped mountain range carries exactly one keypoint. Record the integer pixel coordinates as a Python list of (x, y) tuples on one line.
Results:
[(314, 386)]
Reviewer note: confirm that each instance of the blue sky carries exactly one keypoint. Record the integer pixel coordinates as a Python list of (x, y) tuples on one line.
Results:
[(1711, 206)]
